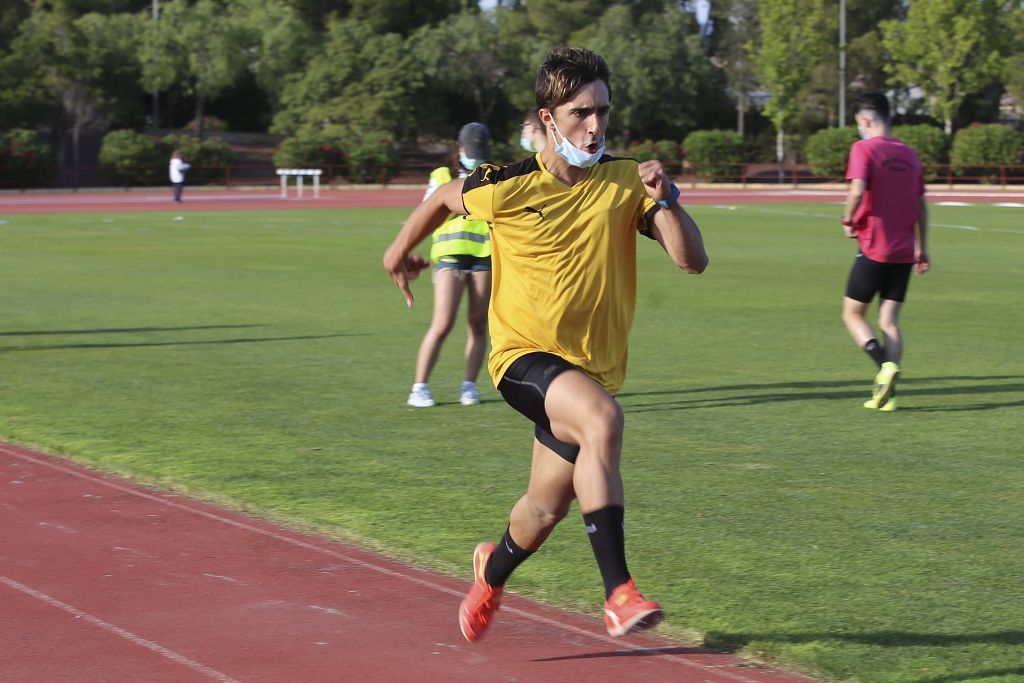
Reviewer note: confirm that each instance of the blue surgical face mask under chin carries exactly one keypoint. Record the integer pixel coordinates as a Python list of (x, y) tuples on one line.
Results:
[(574, 155), (524, 142), (469, 164), (863, 133)]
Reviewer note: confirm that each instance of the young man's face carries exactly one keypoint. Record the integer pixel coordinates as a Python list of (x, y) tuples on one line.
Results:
[(582, 119)]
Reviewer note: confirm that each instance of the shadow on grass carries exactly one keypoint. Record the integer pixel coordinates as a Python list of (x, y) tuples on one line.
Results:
[(638, 652), (815, 391), (731, 642), (122, 330), (130, 345)]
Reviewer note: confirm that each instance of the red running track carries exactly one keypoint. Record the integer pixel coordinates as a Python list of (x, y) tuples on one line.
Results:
[(250, 200), (102, 579)]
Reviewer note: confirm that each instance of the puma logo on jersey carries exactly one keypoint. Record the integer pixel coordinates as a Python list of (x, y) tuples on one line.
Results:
[(539, 212)]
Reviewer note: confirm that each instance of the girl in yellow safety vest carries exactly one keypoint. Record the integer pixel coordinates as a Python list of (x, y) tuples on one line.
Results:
[(461, 254)]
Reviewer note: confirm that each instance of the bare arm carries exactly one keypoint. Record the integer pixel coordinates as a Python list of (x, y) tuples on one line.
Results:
[(402, 265), (853, 198), (673, 228), (922, 263)]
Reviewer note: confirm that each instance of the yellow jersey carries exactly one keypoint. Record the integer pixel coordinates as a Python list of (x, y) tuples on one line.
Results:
[(563, 262)]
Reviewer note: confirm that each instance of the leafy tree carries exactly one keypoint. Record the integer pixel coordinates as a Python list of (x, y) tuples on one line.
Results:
[(199, 46), (468, 57), (734, 25), (655, 91), (404, 16), (948, 48), (1013, 70), (793, 40), (556, 21), (276, 40), (12, 13), (86, 64), (316, 13), (360, 80)]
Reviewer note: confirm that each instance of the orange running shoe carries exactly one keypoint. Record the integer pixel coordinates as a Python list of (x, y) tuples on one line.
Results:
[(482, 600), (627, 611)]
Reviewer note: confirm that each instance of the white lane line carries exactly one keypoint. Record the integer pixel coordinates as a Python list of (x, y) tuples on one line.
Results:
[(954, 203), (118, 631), (1010, 205), (958, 227), (618, 642)]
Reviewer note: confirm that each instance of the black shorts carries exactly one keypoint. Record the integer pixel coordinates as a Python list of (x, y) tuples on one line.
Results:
[(524, 386), (868, 278)]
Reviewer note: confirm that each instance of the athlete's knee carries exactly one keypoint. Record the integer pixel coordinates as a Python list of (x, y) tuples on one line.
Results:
[(604, 425), (544, 513), (478, 326)]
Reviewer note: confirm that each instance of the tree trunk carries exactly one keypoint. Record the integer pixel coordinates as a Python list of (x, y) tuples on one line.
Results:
[(949, 126), (76, 129), (200, 112), (741, 114), (780, 152)]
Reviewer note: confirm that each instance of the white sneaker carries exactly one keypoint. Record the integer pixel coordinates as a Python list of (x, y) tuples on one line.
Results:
[(420, 397), (470, 396)]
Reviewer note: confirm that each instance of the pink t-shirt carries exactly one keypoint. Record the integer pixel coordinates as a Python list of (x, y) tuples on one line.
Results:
[(890, 206)]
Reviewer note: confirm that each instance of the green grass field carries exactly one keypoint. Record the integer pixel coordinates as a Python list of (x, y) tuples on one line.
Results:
[(262, 360)]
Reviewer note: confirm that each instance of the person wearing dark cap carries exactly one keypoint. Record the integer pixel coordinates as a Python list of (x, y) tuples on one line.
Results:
[(461, 254)]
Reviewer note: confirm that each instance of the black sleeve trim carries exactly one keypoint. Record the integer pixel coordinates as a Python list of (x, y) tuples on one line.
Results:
[(648, 229)]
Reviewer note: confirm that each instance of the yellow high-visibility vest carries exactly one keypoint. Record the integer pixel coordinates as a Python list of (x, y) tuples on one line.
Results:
[(458, 235)]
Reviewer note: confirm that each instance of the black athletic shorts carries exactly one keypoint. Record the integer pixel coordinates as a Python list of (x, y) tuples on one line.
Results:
[(524, 386), (868, 278)]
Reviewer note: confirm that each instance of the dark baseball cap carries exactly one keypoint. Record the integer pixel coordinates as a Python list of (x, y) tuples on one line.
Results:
[(476, 139)]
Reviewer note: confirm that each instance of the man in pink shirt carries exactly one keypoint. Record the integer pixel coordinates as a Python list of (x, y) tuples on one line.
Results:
[(887, 213)]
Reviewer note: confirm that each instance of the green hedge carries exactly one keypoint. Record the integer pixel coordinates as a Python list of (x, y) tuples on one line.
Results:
[(312, 151), (979, 148), (131, 158), (930, 143), (828, 150), (372, 157), (25, 161), (715, 153), (207, 157), (665, 151)]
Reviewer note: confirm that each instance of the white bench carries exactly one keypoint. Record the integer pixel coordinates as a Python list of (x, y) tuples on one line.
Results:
[(299, 174)]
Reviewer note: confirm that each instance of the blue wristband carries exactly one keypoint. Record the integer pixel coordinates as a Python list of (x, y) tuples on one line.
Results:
[(666, 203)]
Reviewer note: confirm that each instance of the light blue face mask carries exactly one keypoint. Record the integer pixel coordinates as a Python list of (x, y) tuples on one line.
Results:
[(573, 154), (469, 164), (524, 142), (863, 133)]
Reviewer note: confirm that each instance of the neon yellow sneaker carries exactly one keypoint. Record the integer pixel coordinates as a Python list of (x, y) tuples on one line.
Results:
[(885, 382), (889, 407)]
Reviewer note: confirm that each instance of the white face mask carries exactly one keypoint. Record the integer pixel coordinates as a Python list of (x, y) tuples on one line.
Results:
[(469, 164), (524, 142), (573, 154)]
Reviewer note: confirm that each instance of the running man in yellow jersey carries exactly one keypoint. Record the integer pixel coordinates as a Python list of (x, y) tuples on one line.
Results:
[(563, 240)]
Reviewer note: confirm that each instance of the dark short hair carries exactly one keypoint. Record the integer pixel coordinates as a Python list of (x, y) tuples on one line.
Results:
[(872, 103), (565, 71)]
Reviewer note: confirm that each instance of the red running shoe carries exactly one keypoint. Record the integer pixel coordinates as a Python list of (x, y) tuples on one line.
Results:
[(626, 611), (482, 600)]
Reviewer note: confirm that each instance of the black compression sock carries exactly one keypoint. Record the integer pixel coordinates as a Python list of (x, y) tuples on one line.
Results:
[(876, 352), (608, 539), (506, 557)]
